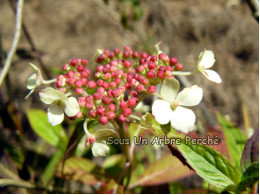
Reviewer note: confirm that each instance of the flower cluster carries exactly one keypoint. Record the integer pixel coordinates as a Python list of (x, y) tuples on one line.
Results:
[(121, 81), (121, 78)]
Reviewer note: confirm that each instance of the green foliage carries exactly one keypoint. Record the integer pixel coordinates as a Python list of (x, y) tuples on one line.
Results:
[(210, 165), (235, 139), (54, 135), (249, 177)]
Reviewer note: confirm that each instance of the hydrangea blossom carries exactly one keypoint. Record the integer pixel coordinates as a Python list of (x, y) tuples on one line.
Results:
[(98, 138), (59, 103), (34, 80), (170, 107), (206, 61)]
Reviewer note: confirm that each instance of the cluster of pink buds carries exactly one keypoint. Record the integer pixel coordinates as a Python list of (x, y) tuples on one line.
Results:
[(120, 80)]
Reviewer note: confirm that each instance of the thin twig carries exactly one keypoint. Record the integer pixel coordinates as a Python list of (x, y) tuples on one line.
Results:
[(30, 41), (15, 41)]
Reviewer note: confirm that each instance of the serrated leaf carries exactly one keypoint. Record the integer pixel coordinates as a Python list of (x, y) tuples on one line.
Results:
[(166, 169), (235, 139), (82, 170), (54, 135), (249, 177), (210, 165), (251, 151)]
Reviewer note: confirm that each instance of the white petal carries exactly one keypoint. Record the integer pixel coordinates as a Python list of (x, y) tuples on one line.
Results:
[(183, 119), (31, 82), (55, 114), (190, 96), (100, 148), (212, 76), (72, 106), (207, 59), (104, 133), (169, 89), (161, 110), (49, 95)]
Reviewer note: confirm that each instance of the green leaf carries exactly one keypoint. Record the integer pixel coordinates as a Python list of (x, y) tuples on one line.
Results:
[(164, 170), (7, 167), (49, 171), (209, 164), (249, 177), (114, 164), (235, 139), (16, 183), (82, 170), (251, 151), (54, 135)]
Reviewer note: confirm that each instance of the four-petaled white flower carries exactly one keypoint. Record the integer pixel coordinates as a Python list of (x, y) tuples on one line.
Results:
[(98, 138), (34, 80), (207, 60), (59, 103), (170, 108)]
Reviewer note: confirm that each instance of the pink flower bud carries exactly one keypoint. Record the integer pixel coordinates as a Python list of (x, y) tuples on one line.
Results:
[(151, 74), (135, 54), (89, 104), (80, 68), (118, 81), (101, 111), (151, 89), (126, 54), (116, 92), (105, 85), (123, 104), (133, 93), (140, 88), (151, 65), (84, 74), (101, 90), (92, 84), (59, 83), (106, 100), (65, 67), (117, 51), (153, 58), (179, 66), (112, 85), (78, 83), (114, 63), (70, 74), (144, 55), (73, 62), (111, 54), (160, 74), (97, 96), (112, 107), (127, 64), (84, 62), (173, 61), (122, 118), (103, 120), (132, 102), (111, 115), (93, 113), (127, 111), (84, 81)]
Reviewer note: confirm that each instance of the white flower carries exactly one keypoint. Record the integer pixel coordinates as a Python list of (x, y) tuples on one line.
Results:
[(98, 138), (207, 60), (59, 103), (170, 108), (34, 80)]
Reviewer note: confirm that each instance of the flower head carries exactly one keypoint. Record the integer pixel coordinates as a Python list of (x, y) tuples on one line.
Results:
[(170, 107), (34, 80), (206, 61), (98, 138), (59, 103)]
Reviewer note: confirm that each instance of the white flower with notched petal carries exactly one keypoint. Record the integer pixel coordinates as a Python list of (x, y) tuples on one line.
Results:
[(207, 60), (98, 138), (34, 80), (59, 103), (170, 108)]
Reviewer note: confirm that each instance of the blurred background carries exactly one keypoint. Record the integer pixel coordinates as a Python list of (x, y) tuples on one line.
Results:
[(63, 29)]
